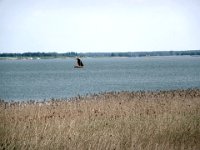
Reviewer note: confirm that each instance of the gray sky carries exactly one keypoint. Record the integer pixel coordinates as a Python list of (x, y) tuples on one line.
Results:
[(99, 25)]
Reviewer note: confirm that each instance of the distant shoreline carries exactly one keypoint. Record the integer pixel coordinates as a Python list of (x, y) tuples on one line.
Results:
[(43, 58), (51, 55)]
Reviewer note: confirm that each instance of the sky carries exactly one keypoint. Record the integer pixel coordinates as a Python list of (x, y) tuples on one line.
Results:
[(99, 25)]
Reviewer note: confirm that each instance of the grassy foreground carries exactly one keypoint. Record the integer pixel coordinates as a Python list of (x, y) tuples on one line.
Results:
[(125, 120)]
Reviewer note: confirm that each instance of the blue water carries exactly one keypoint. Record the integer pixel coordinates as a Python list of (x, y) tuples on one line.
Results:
[(57, 78)]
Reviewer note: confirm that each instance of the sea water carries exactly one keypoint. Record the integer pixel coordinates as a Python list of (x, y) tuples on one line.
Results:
[(57, 78)]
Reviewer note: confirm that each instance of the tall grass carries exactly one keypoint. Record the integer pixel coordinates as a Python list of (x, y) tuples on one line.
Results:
[(116, 120)]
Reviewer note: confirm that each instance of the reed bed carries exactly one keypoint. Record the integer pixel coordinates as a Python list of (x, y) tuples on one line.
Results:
[(115, 120)]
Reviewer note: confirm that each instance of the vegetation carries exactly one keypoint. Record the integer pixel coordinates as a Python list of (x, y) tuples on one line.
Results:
[(125, 120), (38, 55), (116, 54)]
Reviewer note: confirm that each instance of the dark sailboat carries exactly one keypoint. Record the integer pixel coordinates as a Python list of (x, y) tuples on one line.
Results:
[(79, 63)]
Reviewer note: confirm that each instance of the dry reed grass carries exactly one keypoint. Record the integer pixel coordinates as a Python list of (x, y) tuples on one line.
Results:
[(116, 120)]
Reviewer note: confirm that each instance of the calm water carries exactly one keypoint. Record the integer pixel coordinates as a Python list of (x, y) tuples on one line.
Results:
[(56, 78)]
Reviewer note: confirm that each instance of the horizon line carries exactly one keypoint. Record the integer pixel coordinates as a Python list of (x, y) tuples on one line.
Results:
[(100, 51)]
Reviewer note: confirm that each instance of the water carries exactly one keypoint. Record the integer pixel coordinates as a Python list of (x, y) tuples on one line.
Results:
[(57, 78)]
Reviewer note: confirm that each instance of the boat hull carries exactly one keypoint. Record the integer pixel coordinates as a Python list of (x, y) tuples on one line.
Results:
[(78, 66)]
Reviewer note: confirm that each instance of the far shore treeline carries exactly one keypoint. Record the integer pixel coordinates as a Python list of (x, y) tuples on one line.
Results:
[(100, 54)]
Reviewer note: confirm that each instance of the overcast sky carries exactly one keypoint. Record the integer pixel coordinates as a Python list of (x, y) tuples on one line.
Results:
[(99, 25)]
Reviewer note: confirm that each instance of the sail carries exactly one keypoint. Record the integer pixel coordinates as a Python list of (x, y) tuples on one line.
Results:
[(79, 62)]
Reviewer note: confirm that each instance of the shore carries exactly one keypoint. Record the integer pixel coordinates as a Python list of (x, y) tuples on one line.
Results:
[(113, 120)]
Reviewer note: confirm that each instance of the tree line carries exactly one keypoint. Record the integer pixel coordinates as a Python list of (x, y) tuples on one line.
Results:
[(95, 54), (39, 54)]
